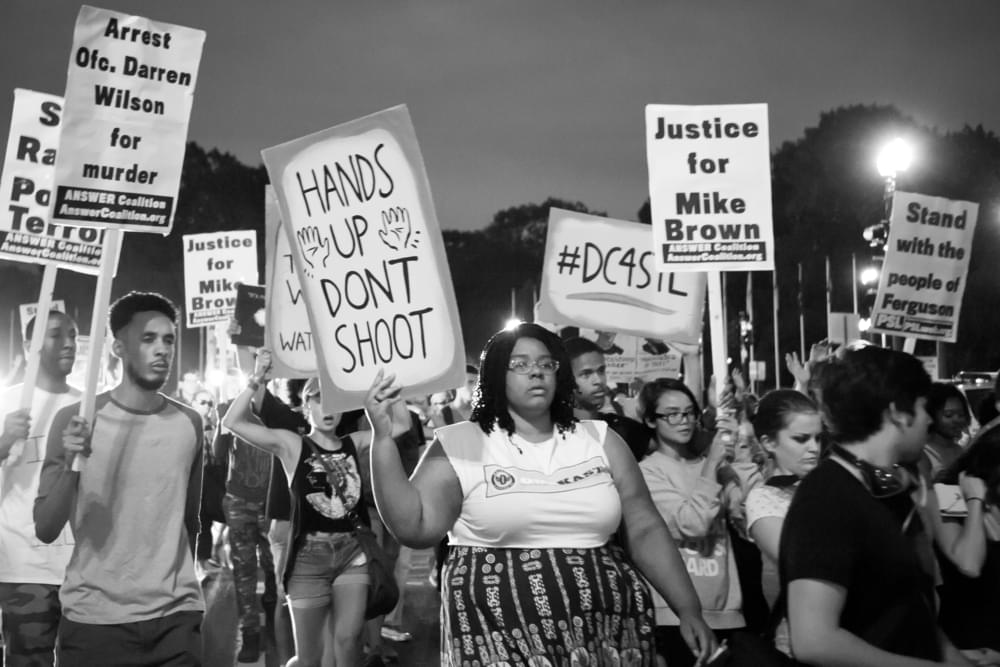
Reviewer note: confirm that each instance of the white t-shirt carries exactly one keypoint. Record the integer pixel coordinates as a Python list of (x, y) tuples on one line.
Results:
[(24, 559), (519, 494)]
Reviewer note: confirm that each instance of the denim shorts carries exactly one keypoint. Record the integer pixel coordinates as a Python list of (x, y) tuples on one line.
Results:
[(325, 560)]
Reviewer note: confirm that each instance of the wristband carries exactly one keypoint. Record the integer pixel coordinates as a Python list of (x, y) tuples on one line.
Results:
[(968, 500)]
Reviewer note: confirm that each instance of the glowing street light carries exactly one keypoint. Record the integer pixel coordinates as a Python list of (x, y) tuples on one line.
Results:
[(895, 156), (869, 276)]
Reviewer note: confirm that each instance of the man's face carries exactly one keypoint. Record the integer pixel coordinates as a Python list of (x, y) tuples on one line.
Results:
[(146, 348), (591, 380), (58, 346), (915, 431)]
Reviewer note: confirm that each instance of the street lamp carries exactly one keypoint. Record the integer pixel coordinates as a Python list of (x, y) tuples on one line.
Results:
[(895, 156)]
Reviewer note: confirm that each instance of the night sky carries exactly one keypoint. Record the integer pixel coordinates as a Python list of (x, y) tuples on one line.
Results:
[(519, 100)]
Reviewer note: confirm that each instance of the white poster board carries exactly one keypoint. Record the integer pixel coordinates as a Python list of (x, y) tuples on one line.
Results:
[(600, 273), (287, 331), (213, 264), (710, 187), (128, 100), (922, 281), (26, 233), (365, 242)]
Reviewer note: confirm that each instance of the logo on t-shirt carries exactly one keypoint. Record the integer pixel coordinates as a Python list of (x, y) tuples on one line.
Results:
[(501, 480)]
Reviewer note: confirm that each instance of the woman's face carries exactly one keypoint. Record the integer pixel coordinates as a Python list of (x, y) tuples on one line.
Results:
[(796, 446), (318, 417), (950, 419), (674, 405), (531, 392)]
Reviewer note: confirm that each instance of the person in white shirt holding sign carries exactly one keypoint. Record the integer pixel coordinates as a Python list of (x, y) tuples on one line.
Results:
[(30, 571)]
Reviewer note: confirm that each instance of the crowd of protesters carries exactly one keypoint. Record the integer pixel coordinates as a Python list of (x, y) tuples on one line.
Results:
[(852, 520)]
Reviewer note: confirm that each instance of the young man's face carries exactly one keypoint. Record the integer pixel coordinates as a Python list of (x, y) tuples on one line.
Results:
[(58, 346), (591, 378), (146, 348), (915, 431)]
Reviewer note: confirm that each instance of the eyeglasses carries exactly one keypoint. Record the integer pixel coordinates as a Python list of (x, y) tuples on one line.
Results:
[(676, 418), (524, 366)]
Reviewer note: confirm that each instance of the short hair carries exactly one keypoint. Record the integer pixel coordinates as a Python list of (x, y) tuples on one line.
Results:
[(29, 328), (490, 401), (981, 459), (125, 308), (939, 394), (652, 390), (578, 346), (776, 409), (856, 388)]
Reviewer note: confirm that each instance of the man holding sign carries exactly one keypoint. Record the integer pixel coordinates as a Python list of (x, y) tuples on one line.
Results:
[(31, 573), (130, 595)]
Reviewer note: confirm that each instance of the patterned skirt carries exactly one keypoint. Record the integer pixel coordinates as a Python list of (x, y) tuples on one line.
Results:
[(544, 607)]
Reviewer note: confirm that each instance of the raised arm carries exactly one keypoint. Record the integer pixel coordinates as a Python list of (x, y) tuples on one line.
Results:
[(240, 420), (69, 436), (419, 511), (653, 550)]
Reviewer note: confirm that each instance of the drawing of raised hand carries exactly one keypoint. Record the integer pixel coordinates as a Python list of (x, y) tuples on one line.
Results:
[(315, 248), (397, 232)]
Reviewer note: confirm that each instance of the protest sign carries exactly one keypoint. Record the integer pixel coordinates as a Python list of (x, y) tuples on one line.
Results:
[(600, 273), (128, 100), (364, 239), (28, 310), (213, 264), (249, 315), (922, 281), (26, 233), (710, 187), (287, 332)]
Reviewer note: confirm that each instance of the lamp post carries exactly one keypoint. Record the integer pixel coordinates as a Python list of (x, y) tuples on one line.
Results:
[(894, 157)]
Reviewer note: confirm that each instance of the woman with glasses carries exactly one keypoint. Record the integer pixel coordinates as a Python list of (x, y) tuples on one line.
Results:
[(693, 487), (530, 498)]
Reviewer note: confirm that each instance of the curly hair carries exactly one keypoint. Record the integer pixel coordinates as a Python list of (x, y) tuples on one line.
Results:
[(125, 308), (490, 400), (981, 459)]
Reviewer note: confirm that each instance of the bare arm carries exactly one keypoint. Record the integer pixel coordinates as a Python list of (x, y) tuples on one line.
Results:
[(284, 444), (418, 511), (962, 541), (766, 534), (653, 550), (814, 608)]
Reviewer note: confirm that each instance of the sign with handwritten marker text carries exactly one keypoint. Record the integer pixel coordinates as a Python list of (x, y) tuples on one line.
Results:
[(601, 274), (287, 332), (364, 238), (213, 264), (926, 262), (710, 187), (128, 100), (26, 233)]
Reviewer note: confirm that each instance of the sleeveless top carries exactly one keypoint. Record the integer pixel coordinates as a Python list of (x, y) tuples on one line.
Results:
[(518, 494)]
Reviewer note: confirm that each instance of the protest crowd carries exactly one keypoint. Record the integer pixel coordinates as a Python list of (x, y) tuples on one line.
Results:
[(688, 523), (602, 491)]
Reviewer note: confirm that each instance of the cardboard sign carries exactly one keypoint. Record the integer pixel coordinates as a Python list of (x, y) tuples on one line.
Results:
[(365, 242), (128, 100), (213, 264), (28, 310), (600, 273), (710, 187), (922, 281), (287, 333), (842, 328), (249, 315), (26, 234)]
